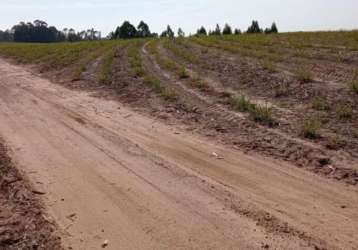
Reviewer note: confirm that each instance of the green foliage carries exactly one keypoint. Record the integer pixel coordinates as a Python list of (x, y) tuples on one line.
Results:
[(281, 89), (318, 103), (273, 29), (227, 30), (310, 128), (355, 86), (155, 84), (183, 74), (198, 83), (135, 59), (168, 33), (105, 74), (254, 28), (143, 30), (259, 113), (216, 32), (125, 31), (6, 36), (181, 33), (303, 75), (237, 32), (201, 31), (344, 111), (262, 114), (241, 103)]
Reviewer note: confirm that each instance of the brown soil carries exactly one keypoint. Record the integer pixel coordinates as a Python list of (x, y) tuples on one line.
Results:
[(23, 224), (114, 175), (215, 119)]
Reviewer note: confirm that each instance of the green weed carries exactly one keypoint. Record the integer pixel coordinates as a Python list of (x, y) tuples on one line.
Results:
[(354, 86), (344, 111), (310, 128), (318, 103), (105, 74), (303, 75)]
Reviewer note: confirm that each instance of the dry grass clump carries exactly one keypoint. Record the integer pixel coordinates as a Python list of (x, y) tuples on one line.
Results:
[(304, 75), (310, 128)]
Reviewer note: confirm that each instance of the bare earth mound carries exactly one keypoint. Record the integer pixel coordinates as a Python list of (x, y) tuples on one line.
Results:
[(22, 222)]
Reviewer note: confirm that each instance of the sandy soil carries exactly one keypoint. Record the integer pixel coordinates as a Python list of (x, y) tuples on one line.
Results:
[(109, 173), (23, 222)]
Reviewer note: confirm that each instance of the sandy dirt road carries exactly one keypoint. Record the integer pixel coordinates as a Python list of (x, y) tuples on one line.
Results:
[(109, 173)]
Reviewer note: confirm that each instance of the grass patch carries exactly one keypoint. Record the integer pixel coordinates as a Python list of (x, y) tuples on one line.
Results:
[(198, 83), (183, 73), (320, 104), (241, 103), (344, 112), (155, 84), (135, 59), (105, 73), (281, 89), (303, 75), (310, 129), (262, 114), (354, 86), (259, 113)]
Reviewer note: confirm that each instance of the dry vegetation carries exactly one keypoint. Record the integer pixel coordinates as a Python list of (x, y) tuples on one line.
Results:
[(291, 96)]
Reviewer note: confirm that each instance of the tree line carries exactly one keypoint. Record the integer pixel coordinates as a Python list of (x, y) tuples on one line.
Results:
[(40, 31), (227, 30)]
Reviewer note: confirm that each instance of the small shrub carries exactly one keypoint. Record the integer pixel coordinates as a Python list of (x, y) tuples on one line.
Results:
[(262, 114), (241, 103), (153, 82), (304, 75), (168, 94), (318, 103), (344, 112), (138, 71), (105, 74), (183, 74), (310, 129), (355, 86), (281, 89), (197, 82)]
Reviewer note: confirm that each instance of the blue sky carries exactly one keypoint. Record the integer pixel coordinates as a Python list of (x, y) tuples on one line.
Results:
[(105, 15)]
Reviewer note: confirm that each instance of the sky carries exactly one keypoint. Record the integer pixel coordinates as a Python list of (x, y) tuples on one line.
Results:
[(105, 15)]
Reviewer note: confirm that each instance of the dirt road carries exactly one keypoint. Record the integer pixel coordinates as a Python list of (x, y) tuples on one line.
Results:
[(109, 173)]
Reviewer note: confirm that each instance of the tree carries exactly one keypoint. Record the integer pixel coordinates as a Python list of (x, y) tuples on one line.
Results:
[(168, 33), (164, 34), (126, 31), (274, 28), (38, 31), (143, 30), (254, 28), (227, 30), (201, 31), (181, 33), (237, 32), (217, 31), (6, 36)]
